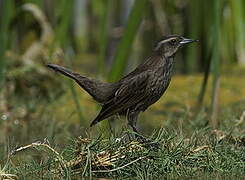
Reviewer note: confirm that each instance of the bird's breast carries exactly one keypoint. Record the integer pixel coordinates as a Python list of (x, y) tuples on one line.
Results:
[(158, 83)]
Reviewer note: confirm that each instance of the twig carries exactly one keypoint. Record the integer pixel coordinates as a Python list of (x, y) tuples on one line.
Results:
[(121, 167)]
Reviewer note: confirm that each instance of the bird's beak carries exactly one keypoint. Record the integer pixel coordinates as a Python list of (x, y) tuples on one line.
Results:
[(187, 41)]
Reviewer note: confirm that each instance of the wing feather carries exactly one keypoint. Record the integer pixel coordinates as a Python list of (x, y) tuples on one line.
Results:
[(129, 94)]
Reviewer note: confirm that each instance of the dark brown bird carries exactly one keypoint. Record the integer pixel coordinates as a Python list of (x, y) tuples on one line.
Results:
[(139, 89)]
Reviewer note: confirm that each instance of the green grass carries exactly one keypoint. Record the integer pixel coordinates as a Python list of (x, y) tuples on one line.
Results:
[(205, 152), (198, 153)]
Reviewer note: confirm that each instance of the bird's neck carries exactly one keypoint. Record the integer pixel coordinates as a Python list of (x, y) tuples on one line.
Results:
[(162, 62), (158, 63), (166, 66), (169, 63)]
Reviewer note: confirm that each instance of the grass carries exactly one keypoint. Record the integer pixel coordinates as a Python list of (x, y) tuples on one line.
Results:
[(205, 152)]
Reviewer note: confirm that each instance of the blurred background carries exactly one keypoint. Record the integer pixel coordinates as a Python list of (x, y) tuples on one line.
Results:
[(105, 39)]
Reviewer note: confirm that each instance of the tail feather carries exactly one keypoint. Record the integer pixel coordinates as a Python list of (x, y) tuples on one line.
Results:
[(100, 91), (95, 121), (99, 118), (62, 70)]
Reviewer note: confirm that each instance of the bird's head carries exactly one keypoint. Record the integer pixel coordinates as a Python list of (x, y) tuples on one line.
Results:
[(169, 45)]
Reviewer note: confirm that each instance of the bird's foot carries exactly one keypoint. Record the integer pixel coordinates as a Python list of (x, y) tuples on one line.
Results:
[(147, 143)]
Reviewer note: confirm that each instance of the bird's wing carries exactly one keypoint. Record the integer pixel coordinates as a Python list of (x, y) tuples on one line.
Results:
[(129, 94)]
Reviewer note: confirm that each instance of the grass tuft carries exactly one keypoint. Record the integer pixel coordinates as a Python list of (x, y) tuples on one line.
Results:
[(163, 154)]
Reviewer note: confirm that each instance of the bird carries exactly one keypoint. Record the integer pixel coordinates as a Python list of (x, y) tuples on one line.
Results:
[(136, 91)]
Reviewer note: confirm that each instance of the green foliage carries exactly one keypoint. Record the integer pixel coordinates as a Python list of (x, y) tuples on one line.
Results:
[(122, 53), (103, 40), (215, 62), (195, 29), (65, 14), (237, 15), (7, 10)]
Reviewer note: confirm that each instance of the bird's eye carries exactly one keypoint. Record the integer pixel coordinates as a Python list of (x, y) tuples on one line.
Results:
[(173, 41)]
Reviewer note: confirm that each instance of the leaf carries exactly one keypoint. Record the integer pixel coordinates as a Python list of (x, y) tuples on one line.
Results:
[(125, 46)]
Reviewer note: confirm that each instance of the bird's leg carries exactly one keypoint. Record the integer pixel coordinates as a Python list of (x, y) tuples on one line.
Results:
[(132, 121)]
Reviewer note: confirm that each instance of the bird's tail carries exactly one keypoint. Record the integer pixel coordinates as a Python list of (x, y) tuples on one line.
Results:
[(98, 90), (63, 70)]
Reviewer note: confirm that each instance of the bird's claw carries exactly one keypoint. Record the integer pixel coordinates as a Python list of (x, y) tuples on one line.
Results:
[(147, 143)]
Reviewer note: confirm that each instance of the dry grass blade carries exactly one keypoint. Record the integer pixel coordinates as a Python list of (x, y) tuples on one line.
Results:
[(104, 159), (7, 176), (121, 167), (200, 148), (46, 147)]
